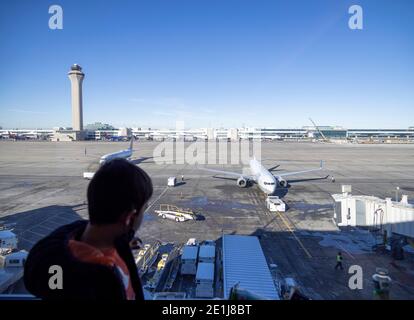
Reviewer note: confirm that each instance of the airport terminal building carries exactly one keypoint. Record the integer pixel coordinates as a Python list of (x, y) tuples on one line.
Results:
[(306, 133)]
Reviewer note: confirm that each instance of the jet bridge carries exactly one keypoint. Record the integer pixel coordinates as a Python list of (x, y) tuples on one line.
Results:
[(375, 213)]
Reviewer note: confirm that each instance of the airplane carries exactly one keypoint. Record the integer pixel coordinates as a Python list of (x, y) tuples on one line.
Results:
[(124, 154), (266, 181)]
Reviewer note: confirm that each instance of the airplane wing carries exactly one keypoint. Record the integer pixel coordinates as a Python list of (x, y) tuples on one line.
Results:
[(299, 172), (273, 168), (233, 174)]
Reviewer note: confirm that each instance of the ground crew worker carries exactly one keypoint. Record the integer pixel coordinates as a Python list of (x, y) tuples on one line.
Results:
[(333, 179), (339, 259), (382, 284), (182, 177)]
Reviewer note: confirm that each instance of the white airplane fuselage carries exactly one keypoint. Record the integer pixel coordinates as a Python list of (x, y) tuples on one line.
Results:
[(123, 154), (264, 179)]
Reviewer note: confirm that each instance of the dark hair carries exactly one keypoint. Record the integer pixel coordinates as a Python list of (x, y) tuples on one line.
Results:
[(117, 187)]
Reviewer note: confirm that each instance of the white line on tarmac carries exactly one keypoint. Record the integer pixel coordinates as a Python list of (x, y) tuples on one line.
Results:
[(31, 241), (238, 217), (36, 233), (158, 198), (293, 233), (345, 250)]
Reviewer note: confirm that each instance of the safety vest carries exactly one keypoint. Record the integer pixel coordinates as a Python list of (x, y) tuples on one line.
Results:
[(339, 258)]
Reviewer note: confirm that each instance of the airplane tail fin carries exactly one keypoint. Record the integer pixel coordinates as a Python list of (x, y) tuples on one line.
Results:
[(132, 142)]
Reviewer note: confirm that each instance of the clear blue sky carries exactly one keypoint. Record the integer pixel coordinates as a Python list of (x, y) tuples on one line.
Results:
[(209, 63)]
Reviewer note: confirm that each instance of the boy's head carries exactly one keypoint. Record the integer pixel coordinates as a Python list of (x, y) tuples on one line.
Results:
[(118, 192)]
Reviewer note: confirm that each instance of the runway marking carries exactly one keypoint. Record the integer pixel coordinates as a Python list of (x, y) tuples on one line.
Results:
[(345, 250), (239, 217), (293, 233), (36, 233), (158, 198), (27, 240), (255, 200)]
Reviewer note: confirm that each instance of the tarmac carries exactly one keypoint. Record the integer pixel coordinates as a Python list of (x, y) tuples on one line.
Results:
[(41, 188)]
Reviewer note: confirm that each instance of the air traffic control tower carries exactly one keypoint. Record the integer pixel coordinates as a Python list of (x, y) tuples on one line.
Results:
[(76, 132), (76, 78)]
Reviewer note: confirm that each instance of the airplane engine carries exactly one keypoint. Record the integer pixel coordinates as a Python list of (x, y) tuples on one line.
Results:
[(242, 183), (282, 182)]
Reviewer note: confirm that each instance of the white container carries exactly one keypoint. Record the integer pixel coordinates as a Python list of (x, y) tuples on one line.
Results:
[(207, 254), (189, 260), (172, 181), (205, 280)]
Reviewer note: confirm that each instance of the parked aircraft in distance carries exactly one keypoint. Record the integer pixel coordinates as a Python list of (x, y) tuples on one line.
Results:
[(124, 154)]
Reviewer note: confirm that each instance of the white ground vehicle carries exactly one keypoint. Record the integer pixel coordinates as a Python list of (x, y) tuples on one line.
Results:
[(172, 181), (274, 204), (192, 242), (88, 175), (178, 217), (174, 213)]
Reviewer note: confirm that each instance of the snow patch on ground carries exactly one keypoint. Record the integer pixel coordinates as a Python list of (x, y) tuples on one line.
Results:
[(353, 241)]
